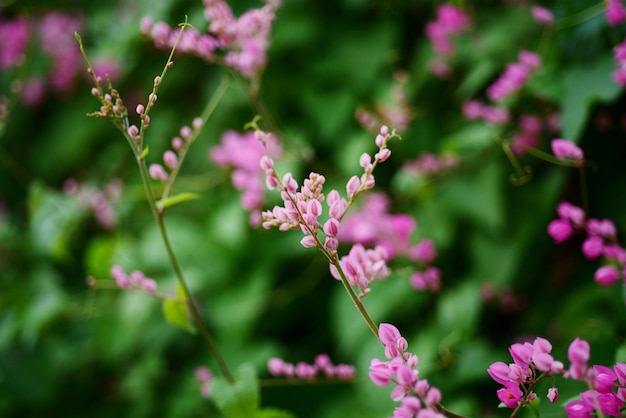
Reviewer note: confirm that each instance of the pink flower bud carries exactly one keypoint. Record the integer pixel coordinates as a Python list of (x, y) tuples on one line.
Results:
[(388, 334), (383, 154), (275, 366), (353, 186), (185, 132), (379, 373), (560, 230), (149, 285), (196, 123), (331, 243), (553, 395), (308, 241), (572, 213), (170, 159), (542, 15), (499, 371), (565, 149), (606, 275), (331, 227), (133, 131), (521, 353), (365, 161), (603, 227), (266, 163), (289, 183), (177, 143), (140, 109), (157, 172), (593, 247)]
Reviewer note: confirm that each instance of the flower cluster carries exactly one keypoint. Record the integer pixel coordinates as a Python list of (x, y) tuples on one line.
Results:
[(172, 158), (397, 114), (530, 129), (135, 280), (97, 201), (542, 15), (533, 363), (53, 34), (564, 149), (302, 208), (450, 20), (430, 164), (615, 12), (477, 110), (243, 152), (514, 76), (416, 396), (302, 370), (619, 75), (204, 376), (13, 42), (244, 40), (601, 241), (390, 233)]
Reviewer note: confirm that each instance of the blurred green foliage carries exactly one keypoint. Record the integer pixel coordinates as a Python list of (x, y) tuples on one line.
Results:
[(70, 350)]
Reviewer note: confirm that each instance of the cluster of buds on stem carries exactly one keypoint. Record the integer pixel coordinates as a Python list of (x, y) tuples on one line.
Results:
[(416, 396), (302, 370), (302, 208)]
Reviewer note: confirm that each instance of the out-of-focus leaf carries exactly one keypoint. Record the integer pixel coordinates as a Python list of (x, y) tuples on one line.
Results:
[(274, 413), (584, 87), (176, 312), (176, 199), (238, 400), (53, 217)]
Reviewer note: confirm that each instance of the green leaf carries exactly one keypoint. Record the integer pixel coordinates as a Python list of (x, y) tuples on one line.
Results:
[(144, 153), (176, 199), (584, 87), (175, 311), (238, 400), (275, 413)]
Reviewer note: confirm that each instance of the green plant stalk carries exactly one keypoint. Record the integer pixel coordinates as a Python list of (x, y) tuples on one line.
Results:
[(140, 153), (193, 309)]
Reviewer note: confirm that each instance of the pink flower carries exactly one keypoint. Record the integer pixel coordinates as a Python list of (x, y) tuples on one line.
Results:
[(553, 395), (560, 230), (13, 42), (565, 149), (572, 213), (604, 228), (542, 15), (157, 172), (510, 394), (606, 275), (578, 354), (499, 372), (615, 12), (424, 251), (578, 409), (593, 247)]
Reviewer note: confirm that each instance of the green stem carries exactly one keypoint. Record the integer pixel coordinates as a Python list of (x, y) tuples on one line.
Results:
[(355, 299), (193, 309), (580, 17), (583, 189)]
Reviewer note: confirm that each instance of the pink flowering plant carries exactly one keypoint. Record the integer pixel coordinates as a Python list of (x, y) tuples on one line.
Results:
[(333, 209)]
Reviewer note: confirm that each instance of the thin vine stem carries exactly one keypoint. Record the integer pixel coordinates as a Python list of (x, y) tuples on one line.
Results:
[(140, 153)]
